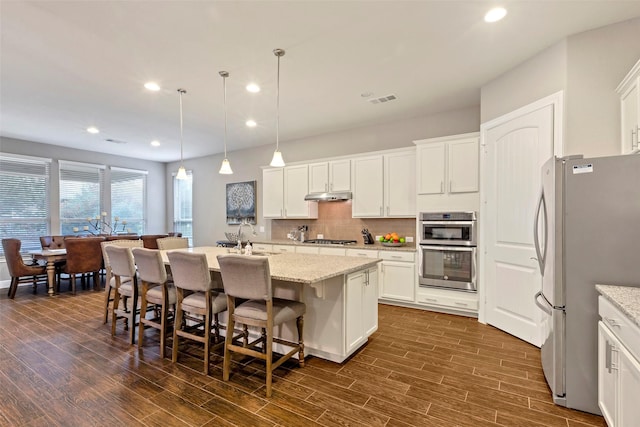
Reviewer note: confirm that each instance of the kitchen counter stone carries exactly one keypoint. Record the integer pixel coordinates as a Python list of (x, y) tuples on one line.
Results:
[(626, 298), (409, 247)]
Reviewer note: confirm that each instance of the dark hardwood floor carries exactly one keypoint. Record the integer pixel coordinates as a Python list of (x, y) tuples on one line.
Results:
[(59, 366)]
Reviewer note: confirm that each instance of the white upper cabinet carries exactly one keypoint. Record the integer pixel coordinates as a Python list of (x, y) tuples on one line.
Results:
[(368, 180), (448, 165), (629, 91), (330, 176), (283, 193)]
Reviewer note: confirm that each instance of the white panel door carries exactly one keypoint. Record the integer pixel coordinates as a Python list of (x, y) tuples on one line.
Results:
[(431, 162), (318, 177), (463, 166), (399, 184), (515, 151), (296, 186), (340, 175), (272, 193), (367, 181), (629, 380)]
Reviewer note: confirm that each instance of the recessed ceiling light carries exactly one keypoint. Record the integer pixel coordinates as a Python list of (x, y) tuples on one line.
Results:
[(366, 94), (155, 143), (253, 88), (152, 86), (495, 14), (93, 129), (251, 123)]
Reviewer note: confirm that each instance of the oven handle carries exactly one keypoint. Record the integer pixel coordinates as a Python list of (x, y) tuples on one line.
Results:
[(448, 222), (449, 248)]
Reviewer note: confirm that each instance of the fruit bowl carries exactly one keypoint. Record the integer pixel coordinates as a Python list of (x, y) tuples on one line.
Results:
[(392, 244)]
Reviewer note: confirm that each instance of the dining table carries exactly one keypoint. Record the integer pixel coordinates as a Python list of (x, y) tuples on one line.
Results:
[(51, 256)]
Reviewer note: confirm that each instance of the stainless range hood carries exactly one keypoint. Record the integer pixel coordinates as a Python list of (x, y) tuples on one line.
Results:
[(328, 197)]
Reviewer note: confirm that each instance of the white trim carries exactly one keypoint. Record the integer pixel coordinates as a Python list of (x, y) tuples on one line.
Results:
[(33, 159), (141, 172), (629, 78), (447, 138), (347, 157), (557, 101), (80, 164)]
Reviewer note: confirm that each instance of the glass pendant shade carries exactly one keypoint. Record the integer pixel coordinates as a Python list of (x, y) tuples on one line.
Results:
[(182, 173), (225, 169), (277, 160)]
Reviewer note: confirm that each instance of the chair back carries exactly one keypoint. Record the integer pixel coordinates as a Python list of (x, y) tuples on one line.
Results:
[(190, 271), (167, 243), (121, 243), (121, 260), (15, 263), (52, 242), (150, 240), (122, 237), (84, 254), (150, 265), (246, 277)]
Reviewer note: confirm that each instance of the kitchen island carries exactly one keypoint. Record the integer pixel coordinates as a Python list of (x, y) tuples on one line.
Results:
[(341, 295)]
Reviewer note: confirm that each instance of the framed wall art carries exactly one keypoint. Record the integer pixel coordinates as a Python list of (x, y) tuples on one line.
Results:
[(241, 202)]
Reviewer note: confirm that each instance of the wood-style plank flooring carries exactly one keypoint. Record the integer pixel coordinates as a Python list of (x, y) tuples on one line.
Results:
[(59, 366)]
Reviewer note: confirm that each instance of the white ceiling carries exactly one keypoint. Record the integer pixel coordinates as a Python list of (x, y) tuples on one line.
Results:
[(67, 65)]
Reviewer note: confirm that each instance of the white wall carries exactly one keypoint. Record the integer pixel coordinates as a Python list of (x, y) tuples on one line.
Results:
[(209, 217)]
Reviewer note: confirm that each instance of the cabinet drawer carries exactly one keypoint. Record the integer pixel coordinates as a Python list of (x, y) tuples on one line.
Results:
[(284, 248), (307, 250), (363, 253), (262, 247), (397, 256), (332, 251), (455, 302), (621, 326)]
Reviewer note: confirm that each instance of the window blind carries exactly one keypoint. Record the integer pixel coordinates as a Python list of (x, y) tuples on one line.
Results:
[(128, 196), (81, 194), (182, 206), (24, 199)]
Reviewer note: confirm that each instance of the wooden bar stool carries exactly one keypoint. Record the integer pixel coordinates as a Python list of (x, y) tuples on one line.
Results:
[(249, 278)]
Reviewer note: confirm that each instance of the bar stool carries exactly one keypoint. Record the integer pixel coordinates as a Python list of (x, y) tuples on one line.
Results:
[(191, 273), (249, 278), (154, 290), (168, 243), (109, 279), (123, 266)]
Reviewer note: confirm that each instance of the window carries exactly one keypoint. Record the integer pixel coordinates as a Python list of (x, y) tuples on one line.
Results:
[(81, 190), (182, 207), (24, 199), (128, 195)]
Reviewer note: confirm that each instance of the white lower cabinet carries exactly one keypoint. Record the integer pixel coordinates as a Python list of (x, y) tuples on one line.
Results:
[(284, 248), (262, 247), (448, 300), (361, 307), (397, 275), (618, 367)]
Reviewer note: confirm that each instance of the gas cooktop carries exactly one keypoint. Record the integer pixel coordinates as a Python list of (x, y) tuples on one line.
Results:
[(330, 242)]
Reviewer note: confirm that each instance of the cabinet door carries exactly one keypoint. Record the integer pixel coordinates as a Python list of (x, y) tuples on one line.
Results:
[(463, 166), (296, 179), (370, 302), (629, 389), (353, 311), (607, 374), (318, 177), (340, 175), (272, 193), (397, 280), (629, 110), (399, 188), (430, 168), (367, 183)]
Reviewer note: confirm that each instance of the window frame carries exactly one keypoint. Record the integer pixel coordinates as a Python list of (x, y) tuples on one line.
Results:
[(177, 218)]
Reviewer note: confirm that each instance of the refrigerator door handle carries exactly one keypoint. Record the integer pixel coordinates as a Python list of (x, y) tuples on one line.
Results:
[(546, 307), (536, 240)]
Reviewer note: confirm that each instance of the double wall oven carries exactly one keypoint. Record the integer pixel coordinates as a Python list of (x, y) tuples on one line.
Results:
[(448, 250)]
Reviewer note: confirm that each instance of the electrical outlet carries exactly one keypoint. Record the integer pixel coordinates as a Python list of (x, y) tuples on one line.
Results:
[(262, 228), (378, 238), (409, 239), (320, 236)]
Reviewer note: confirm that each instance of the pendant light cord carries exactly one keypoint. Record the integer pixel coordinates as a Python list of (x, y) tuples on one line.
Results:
[(181, 92), (224, 89), (278, 106)]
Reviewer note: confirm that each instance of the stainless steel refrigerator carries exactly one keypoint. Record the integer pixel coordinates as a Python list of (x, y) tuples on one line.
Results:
[(586, 232)]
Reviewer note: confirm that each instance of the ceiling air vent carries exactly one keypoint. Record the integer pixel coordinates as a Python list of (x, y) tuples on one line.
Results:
[(383, 99), (115, 141)]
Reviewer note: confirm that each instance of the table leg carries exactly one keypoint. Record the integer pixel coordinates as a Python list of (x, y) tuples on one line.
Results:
[(51, 276)]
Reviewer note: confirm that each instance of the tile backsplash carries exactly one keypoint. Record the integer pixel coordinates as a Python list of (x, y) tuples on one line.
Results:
[(335, 222)]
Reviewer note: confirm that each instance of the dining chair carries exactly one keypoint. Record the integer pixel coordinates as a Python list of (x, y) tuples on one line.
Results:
[(54, 242), (109, 282), (167, 243), (249, 278), (84, 256), (18, 270), (191, 274), (154, 290), (123, 267), (150, 240)]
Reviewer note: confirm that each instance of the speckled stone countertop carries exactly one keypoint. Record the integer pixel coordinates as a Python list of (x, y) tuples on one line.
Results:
[(409, 247), (626, 298), (292, 267)]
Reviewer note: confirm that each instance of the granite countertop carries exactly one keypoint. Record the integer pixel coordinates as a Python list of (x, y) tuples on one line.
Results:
[(292, 267), (626, 298), (409, 247)]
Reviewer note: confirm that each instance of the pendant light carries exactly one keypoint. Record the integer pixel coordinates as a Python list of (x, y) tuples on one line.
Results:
[(225, 169), (277, 160), (182, 173)]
